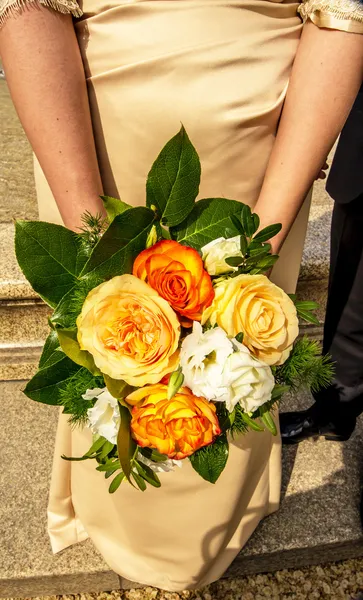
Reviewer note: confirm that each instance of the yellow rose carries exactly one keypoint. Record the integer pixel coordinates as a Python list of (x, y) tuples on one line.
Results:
[(131, 332), (266, 316)]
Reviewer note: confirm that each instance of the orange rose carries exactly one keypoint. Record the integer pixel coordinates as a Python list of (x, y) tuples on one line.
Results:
[(178, 275), (176, 427)]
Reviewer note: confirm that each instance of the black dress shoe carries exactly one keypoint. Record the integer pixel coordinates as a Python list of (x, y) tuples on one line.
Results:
[(298, 426)]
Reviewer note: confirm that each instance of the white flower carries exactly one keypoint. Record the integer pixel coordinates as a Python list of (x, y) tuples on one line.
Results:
[(224, 370), (248, 380), (202, 359), (104, 417), (160, 467), (215, 253)]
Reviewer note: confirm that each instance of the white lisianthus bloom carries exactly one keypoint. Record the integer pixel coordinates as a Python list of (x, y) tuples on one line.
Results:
[(160, 467), (224, 370), (104, 418), (215, 253), (249, 381), (202, 359)]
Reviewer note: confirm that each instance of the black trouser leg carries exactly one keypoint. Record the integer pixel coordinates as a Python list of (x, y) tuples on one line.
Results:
[(342, 402)]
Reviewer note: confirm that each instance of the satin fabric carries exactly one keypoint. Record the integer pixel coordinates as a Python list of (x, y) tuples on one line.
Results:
[(332, 21), (221, 68)]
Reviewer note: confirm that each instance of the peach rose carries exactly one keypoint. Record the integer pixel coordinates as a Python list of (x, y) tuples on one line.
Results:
[(266, 316), (176, 427), (131, 332), (178, 274)]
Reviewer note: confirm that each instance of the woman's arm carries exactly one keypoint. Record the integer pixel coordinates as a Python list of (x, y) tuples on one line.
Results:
[(45, 74), (325, 80)]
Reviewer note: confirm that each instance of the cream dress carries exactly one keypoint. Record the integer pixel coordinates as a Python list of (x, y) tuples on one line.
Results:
[(220, 67)]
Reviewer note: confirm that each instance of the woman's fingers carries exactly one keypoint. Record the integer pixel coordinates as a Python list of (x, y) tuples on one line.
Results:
[(322, 174)]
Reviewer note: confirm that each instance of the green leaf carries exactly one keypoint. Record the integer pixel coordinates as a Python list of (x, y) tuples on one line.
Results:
[(126, 446), (238, 425), (307, 305), (258, 253), (70, 346), (210, 461), (307, 316), (279, 391), (252, 424), (239, 337), (173, 182), (238, 225), (269, 423), (243, 244), (116, 482), (106, 449), (120, 244), (267, 262), (234, 261), (110, 465), (48, 382), (148, 474), (225, 418), (117, 387), (94, 450), (51, 352), (209, 220), (111, 472), (153, 455), (50, 257), (96, 446), (267, 233), (139, 481), (248, 222), (114, 207), (256, 221)]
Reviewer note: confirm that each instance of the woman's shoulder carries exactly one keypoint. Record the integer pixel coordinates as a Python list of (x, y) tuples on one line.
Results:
[(10, 8), (346, 15)]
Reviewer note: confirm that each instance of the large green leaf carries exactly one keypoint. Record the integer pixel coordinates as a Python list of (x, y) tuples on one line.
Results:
[(50, 257), (51, 352), (70, 346), (173, 182), (113, 255), (210, 461), (209, 219), (120, 244), (114, 207), (48, 382)]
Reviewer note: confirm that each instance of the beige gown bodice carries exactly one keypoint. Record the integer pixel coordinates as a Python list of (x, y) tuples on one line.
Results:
[(221, 67)]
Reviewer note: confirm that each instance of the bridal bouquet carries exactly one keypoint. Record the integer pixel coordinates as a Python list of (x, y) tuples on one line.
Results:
[(166, 336)]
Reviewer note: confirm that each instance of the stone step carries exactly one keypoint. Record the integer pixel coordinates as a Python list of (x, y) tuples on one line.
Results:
[(318, 520)]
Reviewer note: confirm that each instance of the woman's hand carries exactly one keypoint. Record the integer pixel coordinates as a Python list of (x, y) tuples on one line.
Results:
[(322, 173)]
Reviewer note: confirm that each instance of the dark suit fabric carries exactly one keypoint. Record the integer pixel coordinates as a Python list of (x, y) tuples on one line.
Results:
[(343, 332)]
